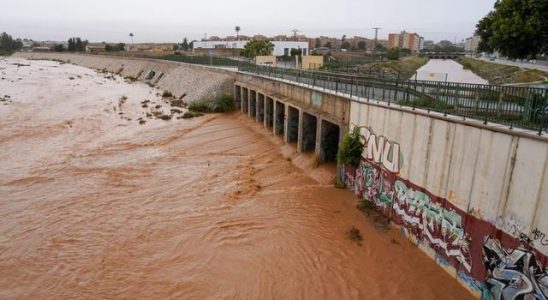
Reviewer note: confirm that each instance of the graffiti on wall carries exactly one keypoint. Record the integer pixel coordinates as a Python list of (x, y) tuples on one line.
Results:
[(438, 227), (420, 213), (473, 246), (381, 150), (514, 274)]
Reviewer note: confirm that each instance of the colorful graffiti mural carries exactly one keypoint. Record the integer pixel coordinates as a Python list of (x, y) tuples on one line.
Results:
[(474, 247), (431, 223), (514, 274)]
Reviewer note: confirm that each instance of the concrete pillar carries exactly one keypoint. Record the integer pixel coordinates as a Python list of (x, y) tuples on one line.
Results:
[(249, 102), (265, 110), (242, 100), (318, 149), (300, 132)]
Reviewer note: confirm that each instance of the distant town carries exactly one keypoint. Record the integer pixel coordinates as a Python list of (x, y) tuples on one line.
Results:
[(283, 44)]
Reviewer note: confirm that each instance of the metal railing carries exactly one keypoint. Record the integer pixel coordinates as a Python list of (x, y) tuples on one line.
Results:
[(524, 107), (202, 60)]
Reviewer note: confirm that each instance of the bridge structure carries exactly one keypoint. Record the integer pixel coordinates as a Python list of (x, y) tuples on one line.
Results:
[(444, 55), (461, 169)]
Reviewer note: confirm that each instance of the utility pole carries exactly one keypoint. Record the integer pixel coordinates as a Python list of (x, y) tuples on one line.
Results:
[(295, 31), (376, 35)]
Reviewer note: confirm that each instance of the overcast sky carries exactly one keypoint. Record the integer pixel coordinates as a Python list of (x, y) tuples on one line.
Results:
[(171, 20)]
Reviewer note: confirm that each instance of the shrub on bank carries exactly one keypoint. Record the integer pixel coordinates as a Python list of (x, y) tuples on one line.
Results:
[(350, 152), (219, 104)]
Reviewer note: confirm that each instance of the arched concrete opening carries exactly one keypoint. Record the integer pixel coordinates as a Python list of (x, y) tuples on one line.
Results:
[(260, 108), (237, 97), (292, 124), (269, 112), (252, 104), (329, 141), (245, 100), (310, 125), (280, 118)]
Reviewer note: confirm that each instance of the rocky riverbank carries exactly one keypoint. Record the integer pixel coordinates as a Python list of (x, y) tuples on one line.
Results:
[(184, 81)]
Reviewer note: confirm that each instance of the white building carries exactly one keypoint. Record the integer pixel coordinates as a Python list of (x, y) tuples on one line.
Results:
[(281, 48)]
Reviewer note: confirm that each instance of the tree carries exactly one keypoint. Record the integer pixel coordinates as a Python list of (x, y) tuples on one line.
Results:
[(115, 48), (257, 48), (393, 54), (184, 45), (58, 48), (362, 45), (237, 29), (76, 44), (296, 52), (380, 48), (327, 45), (317, 43), (345, 45), (71, 45), (8, 45), (515, 28)]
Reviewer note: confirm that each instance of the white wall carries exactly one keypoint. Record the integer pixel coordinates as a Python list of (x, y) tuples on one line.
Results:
[(279, 46)]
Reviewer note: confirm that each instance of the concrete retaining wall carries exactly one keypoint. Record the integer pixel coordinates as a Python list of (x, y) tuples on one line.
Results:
[(192, 81), (473, 198), (329, 106)]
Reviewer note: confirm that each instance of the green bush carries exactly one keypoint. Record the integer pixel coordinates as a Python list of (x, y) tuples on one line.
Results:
[(350, 152), (167, 94), (393, 54), (219, 104)]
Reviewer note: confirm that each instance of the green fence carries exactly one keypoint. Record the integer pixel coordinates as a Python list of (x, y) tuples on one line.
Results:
[(524, 107), (203, 60)]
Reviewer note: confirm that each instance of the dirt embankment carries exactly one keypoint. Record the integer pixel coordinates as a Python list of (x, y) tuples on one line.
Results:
[(184, 81), (502, 74), (406, 67)]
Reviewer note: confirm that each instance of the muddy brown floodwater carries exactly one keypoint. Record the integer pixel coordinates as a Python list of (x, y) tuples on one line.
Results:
[(94, 204)]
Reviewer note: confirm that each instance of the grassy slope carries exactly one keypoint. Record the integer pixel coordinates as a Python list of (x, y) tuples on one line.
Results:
[(407, 66), (502, 74)]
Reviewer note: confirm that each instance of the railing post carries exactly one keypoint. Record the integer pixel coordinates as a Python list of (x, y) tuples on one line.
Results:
[(499, 103), (351, 85)]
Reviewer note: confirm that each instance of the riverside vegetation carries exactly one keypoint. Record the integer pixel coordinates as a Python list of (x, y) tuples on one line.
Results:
[(502, 74)]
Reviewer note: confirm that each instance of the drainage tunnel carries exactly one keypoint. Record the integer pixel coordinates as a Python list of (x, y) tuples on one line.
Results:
[(237, 97), (245, 100), (310, 124), (329, 141), (253, 104), (292, 124), (280, 118), (260, 108), (269, 112)]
